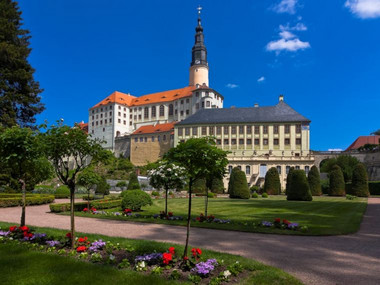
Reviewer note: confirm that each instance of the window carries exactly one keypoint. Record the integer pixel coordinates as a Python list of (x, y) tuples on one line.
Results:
[(105, 121), (298, 129), (307, 169), (119, 113), (92, 131), (146, 112), (257, 129), (249, 129), (181, 113), (130, 123), (218, 130), (239, 166), (97, 116), (197, 106), (105, 114), (124, 115), (187, 112), (145, 139), (176, 111), (119, 121), (110, 120), (257, 141), (187, 131), (241, 141), (92, 117), (171, 110), (233, 130), (225, 130), (241, 130), (92, 124), (181, 102), (287, 169), (265, 141), (278, 169), (110, 113), (93, 111), (162, 111), (287, 129), (275, 129), (101, 115), (298, 141), (139, 117), (153, 111), (195, 131), (249, 141), (164, 137), (141, 139), (118, 134), (207, 103), (104, 129), (135, 117), (218, 141), (204, 131), (101, 109), (233, 141), (203, 104), (197, 94), (276, 142), (229, 169), (211, 131), (187, 100), (124, 122), (265, 129), (158, 138), (180, 131), (297, 167), (97, 123), (248, 170), (287, 141), (125, 109), (130, 116), (136, 139)]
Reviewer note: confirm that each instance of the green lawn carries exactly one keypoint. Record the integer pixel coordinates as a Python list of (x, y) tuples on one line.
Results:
[(322, 216), (19, 265)]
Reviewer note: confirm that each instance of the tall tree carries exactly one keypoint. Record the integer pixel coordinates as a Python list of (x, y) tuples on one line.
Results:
[(19, 92)]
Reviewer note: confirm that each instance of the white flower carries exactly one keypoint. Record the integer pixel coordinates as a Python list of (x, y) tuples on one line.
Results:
[(226, 274)]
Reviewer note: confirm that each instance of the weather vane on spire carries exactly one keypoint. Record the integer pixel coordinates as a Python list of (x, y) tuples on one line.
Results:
[(199, 10)]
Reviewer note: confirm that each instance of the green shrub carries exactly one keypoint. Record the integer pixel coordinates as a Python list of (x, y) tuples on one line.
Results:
[(217, 186), (239, 186), (314, 180), (299, 187), (264, 195), (350, 197), (289, 180), (272, 183), (348, 188), (374, 187), (65, 207), (254, 188), (135, 199), (133, 182), (155, 193), (325, 185), (62, 192), (88, 198), (199, 186), (255, 195), (337, 185), (31, 200), (360, 181), (103, 188), (105, 204), (211, 195), (232, 177), (121, 184)]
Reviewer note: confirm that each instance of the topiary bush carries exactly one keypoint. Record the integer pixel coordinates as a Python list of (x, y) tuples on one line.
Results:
[(133, 182), (232, 177), (325, 185), (289, 180), (314, 180), (264, 195), (337, 184), (217, 186), (135, 199), (255, 195), (299, 189), (62, 192), (239, 186), (272, 183), (359, 185), (121, 184)]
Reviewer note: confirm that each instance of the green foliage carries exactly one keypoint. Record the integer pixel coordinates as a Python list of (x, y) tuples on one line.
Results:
[(254, 188), (124, 164), (63, 190), (255, 195), (347, 164), (239, 187), (121, 184), (155, 193), (360, 181), (264, 195), (377, 133), (133, 182), (374, 187), (19, 100), (350, 197), (199, 186), (34, 199), (325, 185), (65, 207), (272, 183), (289, 180), (105, 204), (299, 187), (217, 185), (232, 177), (102, 188), (211, 195), (135, 199), (88, 178), (314, 180), (337, 185)]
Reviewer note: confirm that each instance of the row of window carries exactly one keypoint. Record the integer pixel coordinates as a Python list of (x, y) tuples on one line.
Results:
[(105, 109), (218, 130), (256, 141), (279, 169), (153, 138)]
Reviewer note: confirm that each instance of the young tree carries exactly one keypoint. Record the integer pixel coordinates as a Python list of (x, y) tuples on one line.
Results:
[(299, 187), (88, 178), (360, 181), (167, 176), (239, 187), (22, 158), (314, 180), (272, 184), (199, 157), (133, 183), (102, 188), (337, 185), (19, 100), (71, 150)]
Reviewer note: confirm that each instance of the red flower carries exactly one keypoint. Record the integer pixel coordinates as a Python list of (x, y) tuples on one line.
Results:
[(277, 220), (199, 251), (81, 240), (28, 235), (185, 258), (196, 252), (198, 219), (172, 250), (286, 222), (127, 211), (167, 257), (68, 235), (85, 210), (24, 229), (81, 248), (13, 228), (170, 214), (93, 209)]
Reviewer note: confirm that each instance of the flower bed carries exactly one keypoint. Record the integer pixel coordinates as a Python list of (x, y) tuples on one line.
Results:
[(282, 224), (168, 264)]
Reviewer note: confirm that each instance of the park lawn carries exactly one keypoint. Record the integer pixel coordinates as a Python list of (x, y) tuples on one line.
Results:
[(20, 265), (323, 216)]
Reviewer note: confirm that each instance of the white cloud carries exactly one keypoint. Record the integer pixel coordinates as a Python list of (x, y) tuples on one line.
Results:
[(288, 41), (232, 85), (286, 6), (298, 27), (335, 149), (261, 79), (364, 9)]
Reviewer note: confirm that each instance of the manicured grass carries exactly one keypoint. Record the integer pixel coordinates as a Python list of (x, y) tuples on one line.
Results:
[(18, 265), (323, 216)]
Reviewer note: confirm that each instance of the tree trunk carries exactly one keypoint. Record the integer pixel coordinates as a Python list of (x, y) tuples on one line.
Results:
[(72, 197), (166, 201), (188, 219), (23, 188), (88, 200), (206, 202)]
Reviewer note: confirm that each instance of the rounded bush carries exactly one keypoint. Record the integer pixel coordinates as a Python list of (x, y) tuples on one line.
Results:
[(255, 195), (359, 186), (135, 199), (133, 182), (254, 188), (264, 195), (314, 180), (121, 184), (155, 193), (272, 183), (299, 187), (337, 184), (62, 190), (239, 186)]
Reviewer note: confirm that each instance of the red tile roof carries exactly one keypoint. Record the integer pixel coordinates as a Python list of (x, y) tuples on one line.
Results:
[(362, 140), (83, 126), (116, 97), (151, 129)]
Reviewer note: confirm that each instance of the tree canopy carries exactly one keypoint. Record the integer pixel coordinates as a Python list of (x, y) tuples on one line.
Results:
[(347, 164)]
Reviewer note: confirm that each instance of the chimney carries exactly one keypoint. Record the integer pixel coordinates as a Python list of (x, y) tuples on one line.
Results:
[(256, 105), (280, 98), (197, 85)]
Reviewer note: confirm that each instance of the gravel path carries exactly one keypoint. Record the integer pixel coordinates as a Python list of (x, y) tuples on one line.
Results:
[(348, 259)]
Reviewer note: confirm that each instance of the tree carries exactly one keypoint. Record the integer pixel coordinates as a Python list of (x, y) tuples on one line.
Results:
[(272, 184), (102, 188), (289, 179), (19, 100), (376, 133), (337, 185), (199, 157), (314, 180), (199, 186), (167, 176), (88, 178), (71, 151), (217, 185), (133, 183), (360, 181), (23, 161), (299, 187), (347, 164), (239, 187), (232, 177)]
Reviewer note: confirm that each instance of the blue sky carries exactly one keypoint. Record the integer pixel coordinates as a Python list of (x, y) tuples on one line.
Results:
[(323, 55)]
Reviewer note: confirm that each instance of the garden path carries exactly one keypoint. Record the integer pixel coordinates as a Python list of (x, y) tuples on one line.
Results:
[(347, 259)]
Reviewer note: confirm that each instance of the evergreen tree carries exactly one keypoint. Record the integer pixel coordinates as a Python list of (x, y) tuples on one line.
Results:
[(199, 186), (19, 100), (272, 184), (217, 186), (360, 181), (232, 177), (239, 186), (314, 180), (133, 182), (299, 187), (289, 179), (337, 185)]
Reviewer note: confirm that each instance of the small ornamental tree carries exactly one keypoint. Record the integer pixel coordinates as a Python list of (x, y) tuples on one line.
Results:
[(360, 181), (337, 185), (272, 184), (22, 160), (239, 186), (314, 180), (135, 199), (167, 176), (299, 188), (71, 150), (102, 188), (289, 179), (133, 183), (88, 178)]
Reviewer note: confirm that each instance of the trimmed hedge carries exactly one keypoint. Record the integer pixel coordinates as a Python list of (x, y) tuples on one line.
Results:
[(374, 187), (337, 184), (99, 204), (135, 199), (314, 181), (30, 200), (360, 181), (238, 187), (299, 189), (105, 204), (272, 183)]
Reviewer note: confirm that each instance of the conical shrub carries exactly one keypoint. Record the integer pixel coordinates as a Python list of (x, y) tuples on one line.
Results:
[(360, 181), (272, 184), (239, 186), (299, 188), (314, 180), (133, 182), (337, 185)]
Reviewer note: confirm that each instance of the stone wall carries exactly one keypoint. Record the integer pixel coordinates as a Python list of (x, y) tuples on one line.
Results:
[(123, 146)]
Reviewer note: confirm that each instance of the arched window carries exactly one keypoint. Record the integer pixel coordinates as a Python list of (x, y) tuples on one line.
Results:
[(247, 169), (118, 134), (162, 111), (146, 112), (153, 111), (171, 110)]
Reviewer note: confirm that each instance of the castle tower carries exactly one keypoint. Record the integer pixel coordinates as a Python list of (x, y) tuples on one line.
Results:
[(199, 64)]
